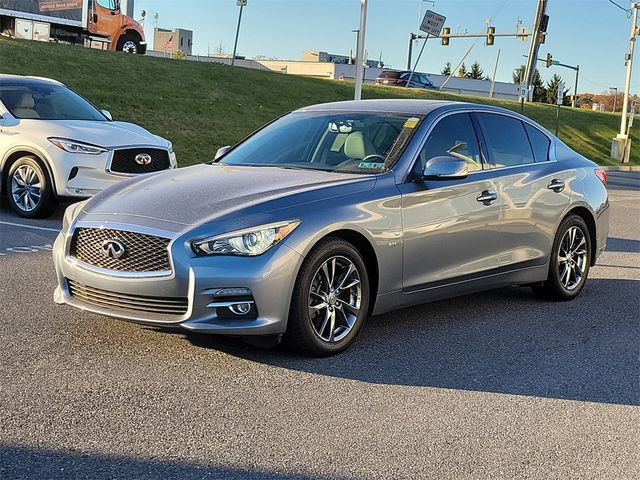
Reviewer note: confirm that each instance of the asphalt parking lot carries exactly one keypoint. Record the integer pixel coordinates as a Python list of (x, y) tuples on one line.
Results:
[(497, 384)]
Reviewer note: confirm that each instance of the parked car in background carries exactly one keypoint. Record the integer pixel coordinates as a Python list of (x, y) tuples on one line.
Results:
[(399, 79), (335, 212), (55, 144)]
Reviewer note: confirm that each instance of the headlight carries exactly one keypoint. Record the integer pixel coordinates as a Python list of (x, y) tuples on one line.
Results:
[(71, 213), (248, 242), (72, 146)]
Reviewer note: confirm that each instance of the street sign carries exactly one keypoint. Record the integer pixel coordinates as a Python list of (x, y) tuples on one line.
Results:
[(560, 94), (555, 62), (522, 92), (432, 23), (523, 34), (242, 3)]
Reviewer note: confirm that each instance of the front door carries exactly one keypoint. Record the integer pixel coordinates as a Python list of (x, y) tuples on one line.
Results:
[(107, 16), (451, 228)]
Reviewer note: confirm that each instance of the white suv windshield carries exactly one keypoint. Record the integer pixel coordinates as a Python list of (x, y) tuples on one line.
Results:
[(47, 102), (353, 142)]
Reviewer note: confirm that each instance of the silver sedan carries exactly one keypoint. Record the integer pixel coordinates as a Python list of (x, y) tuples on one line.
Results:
[(335, 212)]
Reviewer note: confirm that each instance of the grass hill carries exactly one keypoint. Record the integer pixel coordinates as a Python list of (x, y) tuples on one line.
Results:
[(202, 106)]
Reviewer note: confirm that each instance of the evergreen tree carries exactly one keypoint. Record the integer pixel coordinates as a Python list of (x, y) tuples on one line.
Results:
[(462, 71), (552, 88), (475, 72), (539, 92), (447, 69)]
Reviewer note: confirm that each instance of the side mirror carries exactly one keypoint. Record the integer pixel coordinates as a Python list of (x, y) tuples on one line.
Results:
[(107, 114), (445, 168), (221, 152)]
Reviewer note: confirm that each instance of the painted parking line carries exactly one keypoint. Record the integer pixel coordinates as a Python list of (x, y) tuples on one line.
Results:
[(26, 249), (32, 227)]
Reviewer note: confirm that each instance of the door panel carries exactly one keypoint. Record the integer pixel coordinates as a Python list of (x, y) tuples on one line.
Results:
[(448, 233)]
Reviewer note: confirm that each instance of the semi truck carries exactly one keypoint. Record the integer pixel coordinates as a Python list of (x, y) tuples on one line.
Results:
[(104, 24)]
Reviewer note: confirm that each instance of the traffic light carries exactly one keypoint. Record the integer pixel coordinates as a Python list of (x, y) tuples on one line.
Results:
[(549, 60), (544, 23), (445, 35), (490, 35)]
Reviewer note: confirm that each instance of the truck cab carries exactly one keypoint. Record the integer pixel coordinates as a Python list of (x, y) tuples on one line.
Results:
[(107, 19)]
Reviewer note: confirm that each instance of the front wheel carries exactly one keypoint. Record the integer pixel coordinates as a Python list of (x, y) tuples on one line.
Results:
[(569, 263), (330, 300), (29, 188), (128, 44)]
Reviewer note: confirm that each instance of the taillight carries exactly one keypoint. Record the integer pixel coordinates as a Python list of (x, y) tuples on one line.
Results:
[(602, 175), (399, 82)]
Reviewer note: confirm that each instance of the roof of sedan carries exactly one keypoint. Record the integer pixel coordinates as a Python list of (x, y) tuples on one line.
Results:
[(410, 106), (25, 80)]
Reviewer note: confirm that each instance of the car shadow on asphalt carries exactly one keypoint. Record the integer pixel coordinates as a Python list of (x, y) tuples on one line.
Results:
[(623, 245), (28, 463), (500, 341)]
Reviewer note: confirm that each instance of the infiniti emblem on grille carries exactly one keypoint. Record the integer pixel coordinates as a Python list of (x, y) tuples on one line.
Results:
[(112, 249), (143, 159)]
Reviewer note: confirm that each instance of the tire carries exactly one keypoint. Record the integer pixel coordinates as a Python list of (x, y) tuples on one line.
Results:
[(30, 189), (312, 331), (128, 44), (567, 273)]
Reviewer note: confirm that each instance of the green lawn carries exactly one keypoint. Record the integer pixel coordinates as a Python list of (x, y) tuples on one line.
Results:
[(202, 106)]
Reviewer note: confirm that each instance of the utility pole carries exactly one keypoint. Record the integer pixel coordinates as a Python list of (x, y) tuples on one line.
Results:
[(575, 89), (493, 78), (241, 4), (615, 98), (535, 43), (360, 52), (620, 144)]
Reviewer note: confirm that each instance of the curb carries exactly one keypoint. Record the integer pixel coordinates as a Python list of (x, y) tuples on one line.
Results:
[(630, 168)]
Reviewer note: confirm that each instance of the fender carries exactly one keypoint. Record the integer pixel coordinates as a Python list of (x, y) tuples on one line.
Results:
[(33, 150)]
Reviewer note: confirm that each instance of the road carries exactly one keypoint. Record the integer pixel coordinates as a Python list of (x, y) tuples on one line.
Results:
[(494, 385)]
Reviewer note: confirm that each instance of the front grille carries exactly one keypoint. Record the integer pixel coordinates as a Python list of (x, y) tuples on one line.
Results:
[(142, 252), (174, 306), (124, 161)]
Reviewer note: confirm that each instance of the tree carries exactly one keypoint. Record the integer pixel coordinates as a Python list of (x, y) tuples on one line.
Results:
[(447, 69), (476, 72), (539, 92), (552, 88), (462, 71)]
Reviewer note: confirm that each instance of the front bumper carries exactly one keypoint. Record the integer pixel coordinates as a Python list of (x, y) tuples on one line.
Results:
[(82, 176), (270, 278)]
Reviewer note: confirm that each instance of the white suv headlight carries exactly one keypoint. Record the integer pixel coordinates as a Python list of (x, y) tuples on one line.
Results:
[(247, 242), (73, 146)]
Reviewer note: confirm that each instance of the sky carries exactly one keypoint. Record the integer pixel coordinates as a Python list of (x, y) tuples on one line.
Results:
[(591, 33)]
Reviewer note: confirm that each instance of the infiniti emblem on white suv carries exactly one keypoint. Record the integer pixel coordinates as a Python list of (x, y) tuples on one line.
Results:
[(143, 159), (112, 249)]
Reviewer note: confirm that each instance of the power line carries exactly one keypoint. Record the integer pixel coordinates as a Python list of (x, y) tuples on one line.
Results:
[(626, 10)]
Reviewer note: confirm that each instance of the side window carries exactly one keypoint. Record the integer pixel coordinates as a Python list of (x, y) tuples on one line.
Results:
[(507, 141), (110, 4), (540, 143), (453, 136)]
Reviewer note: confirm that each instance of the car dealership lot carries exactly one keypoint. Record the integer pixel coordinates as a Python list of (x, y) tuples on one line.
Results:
[(495, 384)]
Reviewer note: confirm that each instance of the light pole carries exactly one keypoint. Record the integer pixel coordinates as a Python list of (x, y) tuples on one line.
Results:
[(360, 53), (615, 98), (241, 4)]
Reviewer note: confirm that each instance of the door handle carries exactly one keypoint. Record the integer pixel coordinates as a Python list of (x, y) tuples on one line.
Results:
[(556, 185), (487, 197)]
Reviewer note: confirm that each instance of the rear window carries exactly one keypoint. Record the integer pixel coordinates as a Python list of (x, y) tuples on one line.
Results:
[(389, 74), (539, 142), (507, 140)]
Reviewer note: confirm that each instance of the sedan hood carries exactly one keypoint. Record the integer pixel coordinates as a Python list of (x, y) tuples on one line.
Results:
[(103, 134), (205, 193)]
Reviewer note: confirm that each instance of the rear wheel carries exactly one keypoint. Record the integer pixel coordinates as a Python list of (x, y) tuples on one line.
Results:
[(570, 261), (330, 300), (29, 188)]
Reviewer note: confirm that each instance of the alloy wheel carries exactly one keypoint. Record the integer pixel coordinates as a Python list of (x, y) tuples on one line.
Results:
[(335, 299), (26, 188), (572, 258), (130, 47)]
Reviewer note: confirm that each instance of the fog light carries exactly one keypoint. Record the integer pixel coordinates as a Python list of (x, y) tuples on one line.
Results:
[(240, 308)]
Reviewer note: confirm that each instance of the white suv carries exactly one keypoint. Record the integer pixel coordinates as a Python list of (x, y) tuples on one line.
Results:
[(55, 144)]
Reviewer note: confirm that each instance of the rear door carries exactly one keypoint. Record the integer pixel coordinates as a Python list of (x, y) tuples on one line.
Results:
[(530, 185), (450, 227)]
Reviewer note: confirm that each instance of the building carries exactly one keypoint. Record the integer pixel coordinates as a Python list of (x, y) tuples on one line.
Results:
[(170, 41), (324, 57)]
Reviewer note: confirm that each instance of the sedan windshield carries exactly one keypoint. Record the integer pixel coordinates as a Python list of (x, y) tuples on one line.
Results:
[(47, 102), (362, 142)]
